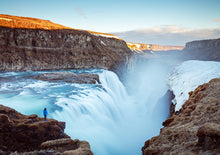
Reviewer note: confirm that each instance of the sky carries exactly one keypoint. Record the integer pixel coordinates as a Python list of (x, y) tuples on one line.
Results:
[(172, 22)]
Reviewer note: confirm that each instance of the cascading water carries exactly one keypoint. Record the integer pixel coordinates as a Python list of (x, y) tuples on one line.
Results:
[(113, 120)]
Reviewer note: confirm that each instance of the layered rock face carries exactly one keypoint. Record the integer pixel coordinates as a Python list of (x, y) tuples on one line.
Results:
[(195, 130), (31, 133), (203, 50), (50, 48)]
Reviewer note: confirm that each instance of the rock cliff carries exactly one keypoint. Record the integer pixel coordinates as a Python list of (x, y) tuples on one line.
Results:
[(151, 47), (32, 134), (195, 129), (203, 50), (42, 45)]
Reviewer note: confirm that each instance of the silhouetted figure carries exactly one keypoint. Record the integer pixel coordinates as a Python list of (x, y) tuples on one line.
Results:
[(45, 114)]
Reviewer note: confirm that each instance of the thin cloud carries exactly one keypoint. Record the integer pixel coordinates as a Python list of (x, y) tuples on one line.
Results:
[(217, 20), (164, 29), (168, 35), (81, 12)]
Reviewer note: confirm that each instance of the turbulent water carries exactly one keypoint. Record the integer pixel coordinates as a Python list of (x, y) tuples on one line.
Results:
[(116, 119)]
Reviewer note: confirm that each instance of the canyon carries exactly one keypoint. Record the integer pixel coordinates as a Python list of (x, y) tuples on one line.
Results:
[(194, 129), (30, 44)]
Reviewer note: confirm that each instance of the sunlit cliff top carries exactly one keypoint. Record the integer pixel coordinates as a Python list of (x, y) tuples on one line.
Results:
[(143, 47), (35, 23)]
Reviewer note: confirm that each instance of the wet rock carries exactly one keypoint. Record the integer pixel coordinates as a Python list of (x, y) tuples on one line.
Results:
[(84, 78), (68, 146)]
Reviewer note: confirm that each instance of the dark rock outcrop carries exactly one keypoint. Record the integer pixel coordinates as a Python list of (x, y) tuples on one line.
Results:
[(23, 133), (83, 78), (202, 50), (49, 48), (195, 130)]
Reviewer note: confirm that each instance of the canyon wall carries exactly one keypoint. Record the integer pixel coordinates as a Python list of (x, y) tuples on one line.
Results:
[(52, 48), (202, 50), (194, 129)]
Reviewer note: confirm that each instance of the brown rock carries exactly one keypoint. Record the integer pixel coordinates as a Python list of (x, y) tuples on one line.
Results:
[(68, 146), (26, 133), (84, 78), (200, 116), (27, 48), (209, 136)]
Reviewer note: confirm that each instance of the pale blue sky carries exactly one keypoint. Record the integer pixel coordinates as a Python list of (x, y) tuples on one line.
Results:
[(120, 15)]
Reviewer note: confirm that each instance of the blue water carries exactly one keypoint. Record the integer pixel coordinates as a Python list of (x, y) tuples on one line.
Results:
[(112, 120)]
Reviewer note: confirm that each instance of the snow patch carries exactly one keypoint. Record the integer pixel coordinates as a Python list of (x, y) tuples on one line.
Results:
[(7, 19), (105, 35), (137, 45), (103, 43), (188, 76)]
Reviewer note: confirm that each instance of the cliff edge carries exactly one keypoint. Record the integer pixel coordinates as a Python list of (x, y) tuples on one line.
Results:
[(208, 50), (195, 130), (28, 134), (35, 44)]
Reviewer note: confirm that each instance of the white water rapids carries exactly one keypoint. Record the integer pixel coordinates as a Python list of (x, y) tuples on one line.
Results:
[(114, 119)]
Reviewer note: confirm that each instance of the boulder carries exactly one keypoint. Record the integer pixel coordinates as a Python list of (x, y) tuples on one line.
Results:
[(68, 146)]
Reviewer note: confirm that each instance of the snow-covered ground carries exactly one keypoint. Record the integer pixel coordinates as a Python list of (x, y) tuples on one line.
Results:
[(105, 35), (188, 76)]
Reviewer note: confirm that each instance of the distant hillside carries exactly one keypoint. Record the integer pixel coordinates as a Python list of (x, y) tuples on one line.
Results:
[(208, 50), (138, 47)]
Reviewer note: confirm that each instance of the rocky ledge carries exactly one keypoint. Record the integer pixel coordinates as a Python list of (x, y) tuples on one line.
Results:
[(32, 135), (195, 130), (83, 78)]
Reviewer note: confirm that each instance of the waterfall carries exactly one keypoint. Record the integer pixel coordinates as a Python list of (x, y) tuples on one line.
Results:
[(116, 119), (113, 121)]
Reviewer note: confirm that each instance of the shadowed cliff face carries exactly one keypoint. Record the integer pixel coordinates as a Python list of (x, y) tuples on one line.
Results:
[(203, 50), (33, 49), (50, 48), (196, 129)]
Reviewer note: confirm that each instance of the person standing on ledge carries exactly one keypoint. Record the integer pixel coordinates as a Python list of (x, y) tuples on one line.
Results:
[(45, 114)]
